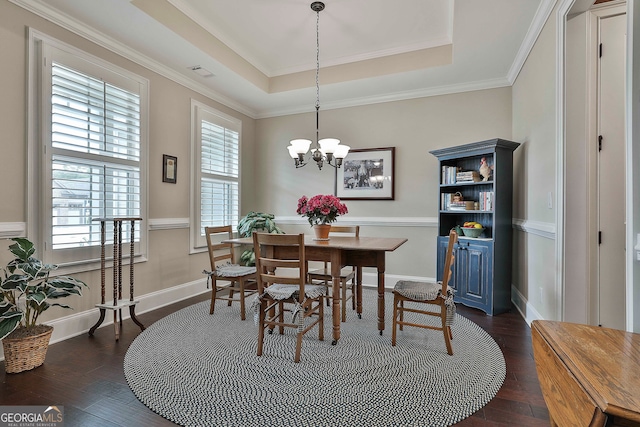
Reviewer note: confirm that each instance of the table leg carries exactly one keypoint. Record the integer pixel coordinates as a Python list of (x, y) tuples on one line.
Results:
[(335, 279), (132, 313), (359, 291), (381, 267), (115, 324), (98, 323)]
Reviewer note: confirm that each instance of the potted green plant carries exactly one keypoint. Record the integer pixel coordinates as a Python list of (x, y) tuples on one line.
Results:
[(26, 291), (255, 221)]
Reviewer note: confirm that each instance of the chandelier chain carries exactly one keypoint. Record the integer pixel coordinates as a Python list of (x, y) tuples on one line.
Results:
[(317, 60)]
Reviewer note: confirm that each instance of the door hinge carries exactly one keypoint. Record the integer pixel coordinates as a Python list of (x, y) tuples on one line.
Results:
[(600, 50), (599, 237), (599, 142)]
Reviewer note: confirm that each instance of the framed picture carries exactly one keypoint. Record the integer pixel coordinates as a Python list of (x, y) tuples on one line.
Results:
[(169, 169), (367, 174)]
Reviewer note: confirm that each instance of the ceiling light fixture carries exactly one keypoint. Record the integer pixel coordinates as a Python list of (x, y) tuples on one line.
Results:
[(327, 149)]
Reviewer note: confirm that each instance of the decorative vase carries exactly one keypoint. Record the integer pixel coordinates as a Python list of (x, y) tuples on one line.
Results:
[(322, 231), (26, 353)]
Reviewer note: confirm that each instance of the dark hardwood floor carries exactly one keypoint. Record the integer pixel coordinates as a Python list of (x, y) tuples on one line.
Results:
[(84, 374)]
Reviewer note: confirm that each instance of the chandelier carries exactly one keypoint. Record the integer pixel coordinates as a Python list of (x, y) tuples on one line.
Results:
[(327, 150)]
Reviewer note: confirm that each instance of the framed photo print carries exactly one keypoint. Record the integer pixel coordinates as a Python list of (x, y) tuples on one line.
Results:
[(367, 174), (169, 169)]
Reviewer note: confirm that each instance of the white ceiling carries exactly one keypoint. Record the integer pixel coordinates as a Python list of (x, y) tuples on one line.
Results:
[(263, 53)]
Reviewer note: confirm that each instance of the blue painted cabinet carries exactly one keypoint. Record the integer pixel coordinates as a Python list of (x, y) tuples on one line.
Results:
[(476, 185)]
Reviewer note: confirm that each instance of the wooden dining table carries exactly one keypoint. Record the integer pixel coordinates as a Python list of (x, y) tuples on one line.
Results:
[(342, 251), (589, 375)]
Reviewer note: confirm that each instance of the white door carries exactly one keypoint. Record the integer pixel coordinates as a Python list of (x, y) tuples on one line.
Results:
[(611, 172)]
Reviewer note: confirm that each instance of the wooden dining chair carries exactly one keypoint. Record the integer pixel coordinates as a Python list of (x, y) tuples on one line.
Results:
[(348, 275), (438, 298), (229, 281), (282, 275)]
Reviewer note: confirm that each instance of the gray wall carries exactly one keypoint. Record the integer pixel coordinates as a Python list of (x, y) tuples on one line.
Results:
[(534, 125), (169, 262), (413, 127), (270, 182)]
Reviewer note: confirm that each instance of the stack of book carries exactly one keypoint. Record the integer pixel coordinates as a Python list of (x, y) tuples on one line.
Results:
[(449, 174), (445, 200), (468, 176), (457, 206), (485, 200)]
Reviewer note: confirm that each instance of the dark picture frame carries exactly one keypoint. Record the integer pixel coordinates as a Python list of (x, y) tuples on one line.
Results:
[(367, 174), (169, 169)]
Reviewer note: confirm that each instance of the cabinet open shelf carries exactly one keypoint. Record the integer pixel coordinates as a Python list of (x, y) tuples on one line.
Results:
[(466, 184)]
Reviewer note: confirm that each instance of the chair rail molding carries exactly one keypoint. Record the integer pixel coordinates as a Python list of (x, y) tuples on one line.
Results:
[(167, 223), (9, 230), (370, 221), (537, 228)]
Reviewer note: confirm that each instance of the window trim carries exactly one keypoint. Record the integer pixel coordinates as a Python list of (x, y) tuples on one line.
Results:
[(38, 124), (197, 243)]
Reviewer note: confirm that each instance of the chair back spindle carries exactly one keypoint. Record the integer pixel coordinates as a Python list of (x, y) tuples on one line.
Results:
[(448, 261)]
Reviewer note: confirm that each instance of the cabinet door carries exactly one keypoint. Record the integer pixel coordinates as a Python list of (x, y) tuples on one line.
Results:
[(472, 271), (473, 275)]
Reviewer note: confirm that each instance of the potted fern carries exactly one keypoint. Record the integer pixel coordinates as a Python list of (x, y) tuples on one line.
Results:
[(255, 221), (26, 291)]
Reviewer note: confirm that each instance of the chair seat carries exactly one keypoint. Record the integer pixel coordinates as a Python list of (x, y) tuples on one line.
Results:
[(233, 270), (427, 291), (279, 291), (345, 274), (282, 292), (418, 291)]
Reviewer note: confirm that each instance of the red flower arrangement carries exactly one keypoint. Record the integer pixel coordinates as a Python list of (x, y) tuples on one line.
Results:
[(321, 209)]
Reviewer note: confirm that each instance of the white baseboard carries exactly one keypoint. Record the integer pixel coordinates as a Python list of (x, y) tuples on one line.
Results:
[(80, 323), (526, 310), (528, 313), (370, 280)]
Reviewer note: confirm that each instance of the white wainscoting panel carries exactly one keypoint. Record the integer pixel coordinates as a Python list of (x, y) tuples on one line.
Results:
[(80, 323)]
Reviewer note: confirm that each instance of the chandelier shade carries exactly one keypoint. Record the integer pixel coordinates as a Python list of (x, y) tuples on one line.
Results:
[(327, 150)]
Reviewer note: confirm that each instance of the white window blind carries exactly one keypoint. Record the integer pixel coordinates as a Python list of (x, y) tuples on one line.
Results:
[(216, 148), (219, 197), (95, 161)]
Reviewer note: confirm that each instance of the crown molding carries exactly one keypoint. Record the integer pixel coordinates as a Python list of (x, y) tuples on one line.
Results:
[(542, 15), (326, 63), (398, 96), (41, 9)]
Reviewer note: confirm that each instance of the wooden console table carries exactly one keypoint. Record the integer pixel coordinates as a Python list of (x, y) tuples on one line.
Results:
[(589, 375), (117, 304)]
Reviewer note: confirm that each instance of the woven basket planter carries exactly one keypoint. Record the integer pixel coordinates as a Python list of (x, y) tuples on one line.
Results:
[(23, 354)]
